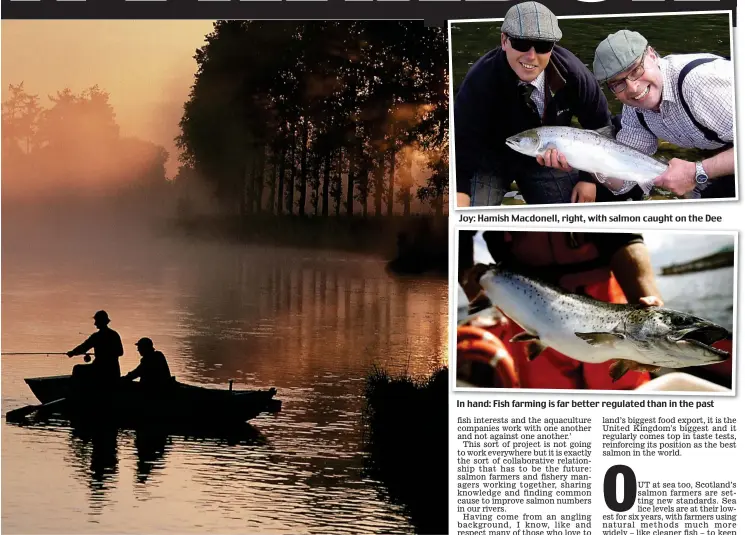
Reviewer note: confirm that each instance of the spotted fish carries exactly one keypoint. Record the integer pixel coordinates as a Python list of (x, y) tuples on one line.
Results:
[(634, 336), (614, 164)]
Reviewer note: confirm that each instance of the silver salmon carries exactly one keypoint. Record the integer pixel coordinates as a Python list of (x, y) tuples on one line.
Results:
[(635, 336), (593, 152)]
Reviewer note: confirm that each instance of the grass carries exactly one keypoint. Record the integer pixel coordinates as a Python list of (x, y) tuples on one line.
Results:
[(406, 424), (678, 34)]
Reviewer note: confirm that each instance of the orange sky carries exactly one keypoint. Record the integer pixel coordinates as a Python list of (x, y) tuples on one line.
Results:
[(146, 66)]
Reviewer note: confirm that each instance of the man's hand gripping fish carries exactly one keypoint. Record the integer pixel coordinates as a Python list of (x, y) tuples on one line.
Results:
[(635, 336)]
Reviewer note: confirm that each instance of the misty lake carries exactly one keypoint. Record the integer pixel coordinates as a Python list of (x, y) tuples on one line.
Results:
[(310, 323)]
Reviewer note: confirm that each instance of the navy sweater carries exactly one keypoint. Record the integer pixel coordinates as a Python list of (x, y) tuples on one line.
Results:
[(489, 108)]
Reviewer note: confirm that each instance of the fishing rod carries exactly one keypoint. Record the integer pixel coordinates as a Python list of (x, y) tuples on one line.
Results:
[(87, 355), (28, 353)]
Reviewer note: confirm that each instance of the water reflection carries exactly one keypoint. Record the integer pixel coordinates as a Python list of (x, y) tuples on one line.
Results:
[(96, 457), (312, 324), (309, 314), (94, 452), (151, 446)]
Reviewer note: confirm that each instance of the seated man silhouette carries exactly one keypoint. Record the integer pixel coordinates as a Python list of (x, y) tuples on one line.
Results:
[(153, 371)]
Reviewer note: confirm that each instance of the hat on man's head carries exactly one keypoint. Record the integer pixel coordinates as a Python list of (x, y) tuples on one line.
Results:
[(102, 316), (144, 342), (531, 20), (616, 53)]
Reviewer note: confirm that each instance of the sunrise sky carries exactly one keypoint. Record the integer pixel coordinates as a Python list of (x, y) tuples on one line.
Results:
[(146, 66)]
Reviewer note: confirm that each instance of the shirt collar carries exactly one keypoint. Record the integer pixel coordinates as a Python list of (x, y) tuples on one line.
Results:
[(538, 82), (668, 93)]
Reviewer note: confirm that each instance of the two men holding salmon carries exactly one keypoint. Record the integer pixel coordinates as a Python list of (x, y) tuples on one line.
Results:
[(530, 82)]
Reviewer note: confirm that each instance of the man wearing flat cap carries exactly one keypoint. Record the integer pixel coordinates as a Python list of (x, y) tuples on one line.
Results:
[(526, 82), (107, 347), (153, 370), (684, 99)]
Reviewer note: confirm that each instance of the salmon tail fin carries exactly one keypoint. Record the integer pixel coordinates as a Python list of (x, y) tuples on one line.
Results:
[(646, 186), (473, 276), (479, 303)]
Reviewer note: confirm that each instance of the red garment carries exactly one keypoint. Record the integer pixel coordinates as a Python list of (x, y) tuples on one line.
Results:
[(479, 345)]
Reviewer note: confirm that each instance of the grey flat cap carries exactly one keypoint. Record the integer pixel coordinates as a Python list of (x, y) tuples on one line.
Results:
[(531, 20), (616, 53)]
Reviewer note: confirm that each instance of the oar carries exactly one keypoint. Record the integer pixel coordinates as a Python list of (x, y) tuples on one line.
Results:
[(20, 413)]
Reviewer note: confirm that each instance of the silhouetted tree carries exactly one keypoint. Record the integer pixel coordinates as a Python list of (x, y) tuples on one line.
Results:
[(21, 112), (330, 104), (74, 147)]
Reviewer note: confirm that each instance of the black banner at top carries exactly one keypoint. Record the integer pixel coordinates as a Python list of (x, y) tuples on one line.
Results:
[(431, 11)]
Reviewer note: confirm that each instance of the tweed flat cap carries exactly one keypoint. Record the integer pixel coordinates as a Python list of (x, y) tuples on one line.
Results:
[(531, 20), (616, 53)]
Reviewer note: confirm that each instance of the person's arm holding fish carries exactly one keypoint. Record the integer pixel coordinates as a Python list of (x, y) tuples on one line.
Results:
[(713, 109), (631, 134), (633, 270), (680, 177)]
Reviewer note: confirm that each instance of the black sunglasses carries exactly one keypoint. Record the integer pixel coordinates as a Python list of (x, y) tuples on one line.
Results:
[(523, 45)]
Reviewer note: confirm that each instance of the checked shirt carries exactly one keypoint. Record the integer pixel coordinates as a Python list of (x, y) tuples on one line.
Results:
[(708, 90)]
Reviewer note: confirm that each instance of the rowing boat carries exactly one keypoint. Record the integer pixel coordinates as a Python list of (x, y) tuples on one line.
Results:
[(180, 403)]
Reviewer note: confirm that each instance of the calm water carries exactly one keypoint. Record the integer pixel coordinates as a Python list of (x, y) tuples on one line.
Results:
[(707, 294), (311, 323)]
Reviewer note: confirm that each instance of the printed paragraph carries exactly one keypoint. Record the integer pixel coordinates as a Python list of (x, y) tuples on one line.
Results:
[(505, 463), (678, 508), (630, 436)]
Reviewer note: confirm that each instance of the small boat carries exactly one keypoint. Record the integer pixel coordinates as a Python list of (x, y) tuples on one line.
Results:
[(130, 405)]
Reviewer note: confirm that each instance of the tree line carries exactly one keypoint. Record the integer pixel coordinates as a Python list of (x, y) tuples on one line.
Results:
[(73, 144), (319, 117)]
